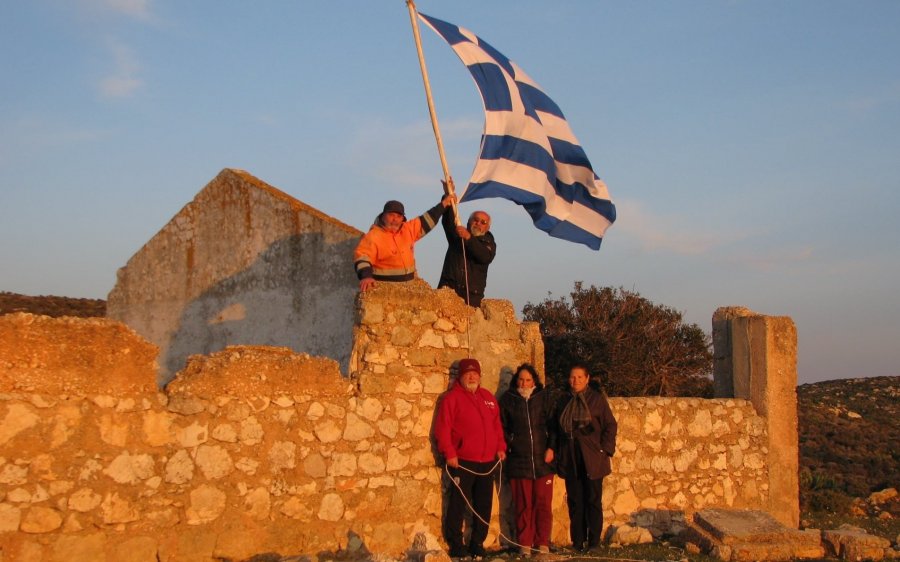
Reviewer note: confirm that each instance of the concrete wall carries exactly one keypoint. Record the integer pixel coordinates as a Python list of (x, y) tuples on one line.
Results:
[(259, 449), (243, 263)]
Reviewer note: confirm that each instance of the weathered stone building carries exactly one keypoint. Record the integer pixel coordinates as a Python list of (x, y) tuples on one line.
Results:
[(241, 264), (257, 449)]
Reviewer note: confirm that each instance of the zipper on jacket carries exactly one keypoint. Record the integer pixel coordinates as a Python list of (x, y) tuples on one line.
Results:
[(572, 446), (530, 439)]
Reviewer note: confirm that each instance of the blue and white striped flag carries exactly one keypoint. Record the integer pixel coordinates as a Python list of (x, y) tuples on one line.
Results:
[(528, 152)]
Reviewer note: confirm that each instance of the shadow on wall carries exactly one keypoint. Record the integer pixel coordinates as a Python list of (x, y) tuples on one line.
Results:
[(300, 293), (660, 522)]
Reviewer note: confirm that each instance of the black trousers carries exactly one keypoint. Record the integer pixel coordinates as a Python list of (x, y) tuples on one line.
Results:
[(478, 490), (584, 498)]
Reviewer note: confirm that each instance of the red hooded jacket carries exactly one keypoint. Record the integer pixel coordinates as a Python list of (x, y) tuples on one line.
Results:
[(468, 425)]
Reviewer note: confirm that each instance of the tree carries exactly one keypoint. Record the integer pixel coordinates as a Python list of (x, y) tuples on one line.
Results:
[(635, 347)]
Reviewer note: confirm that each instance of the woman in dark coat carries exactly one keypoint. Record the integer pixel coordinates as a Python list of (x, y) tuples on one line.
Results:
[(524, 413), (585, 431)]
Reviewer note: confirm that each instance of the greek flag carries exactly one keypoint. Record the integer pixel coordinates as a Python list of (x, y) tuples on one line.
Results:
[(528, 152)]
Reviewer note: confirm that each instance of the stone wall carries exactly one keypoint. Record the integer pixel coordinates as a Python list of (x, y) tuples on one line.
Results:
[(241, 264), (260, 449), (679, 455), (407, 331)]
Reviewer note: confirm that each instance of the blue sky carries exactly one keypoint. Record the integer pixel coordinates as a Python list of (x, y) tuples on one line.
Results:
[(752, 147)]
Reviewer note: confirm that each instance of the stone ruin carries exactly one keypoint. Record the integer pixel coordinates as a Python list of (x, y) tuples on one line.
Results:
[(260, 449), (255, 447), (242, 264)]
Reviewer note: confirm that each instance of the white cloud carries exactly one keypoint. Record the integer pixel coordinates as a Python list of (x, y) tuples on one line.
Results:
[(663, 233), (875, 100), (775, 258), (25, 137), (404, 155), (124, 80), (735, 245), (139, 9), (37, 132), (119, 86), (266, 119)]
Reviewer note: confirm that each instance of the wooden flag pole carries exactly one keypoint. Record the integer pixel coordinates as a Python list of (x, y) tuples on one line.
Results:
[(448, 182)]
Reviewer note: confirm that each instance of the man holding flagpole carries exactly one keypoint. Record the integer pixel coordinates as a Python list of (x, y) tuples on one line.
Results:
[(470, 250)]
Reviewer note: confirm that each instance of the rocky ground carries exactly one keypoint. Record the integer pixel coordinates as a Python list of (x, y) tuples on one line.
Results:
[(51, 305), (849, 442)]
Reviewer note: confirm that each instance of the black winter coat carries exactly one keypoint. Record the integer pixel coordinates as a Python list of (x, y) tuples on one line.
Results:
[(525, 425), (480, 252), (589, 448)]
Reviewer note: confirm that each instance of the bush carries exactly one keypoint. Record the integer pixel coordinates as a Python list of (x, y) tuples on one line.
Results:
[(635, 347)]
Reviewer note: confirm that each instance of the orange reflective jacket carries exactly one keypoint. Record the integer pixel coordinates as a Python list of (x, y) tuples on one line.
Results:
[(389, 256)]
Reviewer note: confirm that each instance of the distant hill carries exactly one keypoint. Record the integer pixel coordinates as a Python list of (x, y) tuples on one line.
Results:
[(51, 306), (849, 440)]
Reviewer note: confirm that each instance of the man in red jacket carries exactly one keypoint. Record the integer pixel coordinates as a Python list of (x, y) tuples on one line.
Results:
[(470, 437)]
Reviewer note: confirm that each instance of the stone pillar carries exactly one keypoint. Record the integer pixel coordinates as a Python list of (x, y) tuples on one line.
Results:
[(757, 356), (723, 373)]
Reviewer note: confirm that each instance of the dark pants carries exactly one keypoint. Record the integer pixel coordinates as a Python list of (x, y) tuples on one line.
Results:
[(478, 490), (584, 498), (534, 510)]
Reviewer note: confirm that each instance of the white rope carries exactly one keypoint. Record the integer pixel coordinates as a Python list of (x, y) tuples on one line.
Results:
[(468, 305), (561, 551), (497, 466)]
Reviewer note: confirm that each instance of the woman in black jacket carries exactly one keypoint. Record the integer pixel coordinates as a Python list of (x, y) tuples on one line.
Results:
[(585, 431), (524, 411)]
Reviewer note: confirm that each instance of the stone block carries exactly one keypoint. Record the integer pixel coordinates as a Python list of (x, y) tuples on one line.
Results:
[(627, 535), (206, 504), (89, 548), (213, 461), (747, 535), (853, 543), (38, 519), (331, 508), (10, 518), (136, 549)]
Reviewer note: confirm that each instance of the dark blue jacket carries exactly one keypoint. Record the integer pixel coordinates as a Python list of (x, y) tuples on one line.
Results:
[(479, 253), (525, 425)]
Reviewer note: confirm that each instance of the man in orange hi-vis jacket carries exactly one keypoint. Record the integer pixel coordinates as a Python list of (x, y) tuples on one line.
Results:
[(386, 253)]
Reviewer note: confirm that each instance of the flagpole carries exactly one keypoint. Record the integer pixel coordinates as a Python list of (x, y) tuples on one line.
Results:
[(448, 183)]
